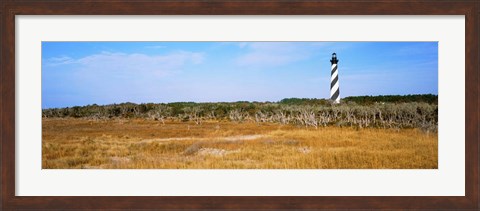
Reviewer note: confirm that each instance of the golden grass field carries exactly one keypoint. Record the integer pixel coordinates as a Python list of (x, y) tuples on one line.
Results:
[(142, 144)]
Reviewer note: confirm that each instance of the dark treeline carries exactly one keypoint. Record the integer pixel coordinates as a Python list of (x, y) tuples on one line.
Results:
[(426, 98), (367, 100), (368, 111)]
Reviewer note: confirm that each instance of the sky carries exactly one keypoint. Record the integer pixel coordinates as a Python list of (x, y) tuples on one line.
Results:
[(83, 73)]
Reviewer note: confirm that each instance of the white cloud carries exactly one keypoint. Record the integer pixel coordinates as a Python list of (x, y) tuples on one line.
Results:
[(272, 53), (242, 44), (419, 48), (122, 63), (54, 61), (155, 46), (108, 77)]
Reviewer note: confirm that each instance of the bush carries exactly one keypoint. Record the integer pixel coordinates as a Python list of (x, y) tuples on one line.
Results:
[(360, 112)]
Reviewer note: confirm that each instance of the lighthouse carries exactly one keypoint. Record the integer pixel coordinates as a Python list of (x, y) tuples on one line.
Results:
[(334, 85)]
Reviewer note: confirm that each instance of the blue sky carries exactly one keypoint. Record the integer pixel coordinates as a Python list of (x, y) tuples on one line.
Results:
[(82, 73)]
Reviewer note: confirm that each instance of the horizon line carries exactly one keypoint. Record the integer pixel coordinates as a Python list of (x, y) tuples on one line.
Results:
[(238, 101)]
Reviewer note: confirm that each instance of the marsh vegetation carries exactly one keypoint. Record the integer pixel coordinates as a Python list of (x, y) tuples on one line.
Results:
[(290, 134)]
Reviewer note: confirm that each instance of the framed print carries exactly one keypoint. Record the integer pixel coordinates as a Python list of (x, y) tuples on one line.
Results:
[(239, 105)]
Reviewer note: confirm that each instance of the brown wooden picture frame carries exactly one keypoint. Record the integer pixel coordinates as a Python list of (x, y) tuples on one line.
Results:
[(11, 8)]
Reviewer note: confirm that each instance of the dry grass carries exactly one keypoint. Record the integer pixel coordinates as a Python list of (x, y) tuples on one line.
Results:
[(140, 144)]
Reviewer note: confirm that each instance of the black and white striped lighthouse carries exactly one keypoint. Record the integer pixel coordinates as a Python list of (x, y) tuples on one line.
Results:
[(334, 85)]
